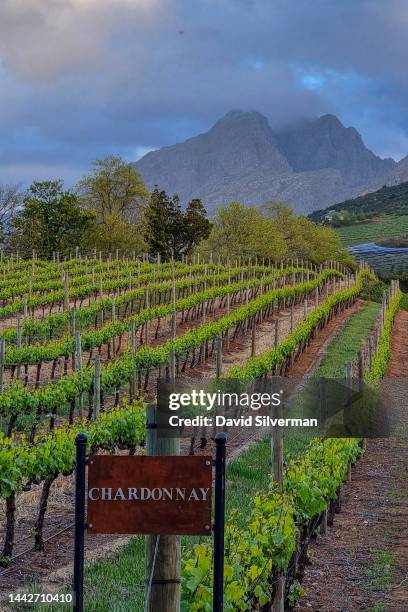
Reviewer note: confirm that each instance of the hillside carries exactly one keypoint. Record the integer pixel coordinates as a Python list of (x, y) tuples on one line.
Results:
[(391, 200), (308, 165)]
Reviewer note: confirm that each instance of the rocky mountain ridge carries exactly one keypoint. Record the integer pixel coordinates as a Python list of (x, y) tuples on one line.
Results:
[(310, 165)]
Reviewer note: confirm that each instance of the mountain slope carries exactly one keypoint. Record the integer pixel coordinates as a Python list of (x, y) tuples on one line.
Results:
[(326, 143), (310, 165), (399, 174), (389, 200)]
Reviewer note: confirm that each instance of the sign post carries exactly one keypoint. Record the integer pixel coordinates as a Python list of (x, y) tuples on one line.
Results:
[(219, 522), (143, 494), (80, 443)]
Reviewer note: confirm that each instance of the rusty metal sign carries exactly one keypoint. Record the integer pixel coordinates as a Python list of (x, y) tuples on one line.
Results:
[(149, 495)]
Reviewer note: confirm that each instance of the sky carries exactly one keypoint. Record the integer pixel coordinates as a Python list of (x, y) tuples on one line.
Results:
[(81, 79)]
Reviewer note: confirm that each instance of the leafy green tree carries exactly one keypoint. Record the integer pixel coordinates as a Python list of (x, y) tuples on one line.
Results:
[(169, 230), (197, 226), (116, 194), (239, 230), (116, 233), (271, 232), (51, 220), (113, 187)]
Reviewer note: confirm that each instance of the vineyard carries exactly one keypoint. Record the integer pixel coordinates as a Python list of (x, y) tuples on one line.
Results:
[(83, 343), (379, 228)]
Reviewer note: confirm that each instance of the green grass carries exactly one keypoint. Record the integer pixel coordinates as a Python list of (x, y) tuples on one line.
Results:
[(377, 229), (380, 570), (116, 584), (342, 350), (347, 343)]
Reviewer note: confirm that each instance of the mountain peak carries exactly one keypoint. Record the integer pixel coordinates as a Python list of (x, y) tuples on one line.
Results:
[(330, 119), (237, 116), (311, 164)]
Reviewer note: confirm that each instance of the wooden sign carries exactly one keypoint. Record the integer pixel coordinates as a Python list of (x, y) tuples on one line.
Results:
[(149, 495)]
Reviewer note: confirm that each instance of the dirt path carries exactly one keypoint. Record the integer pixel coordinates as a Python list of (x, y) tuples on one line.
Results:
[(362, 563)]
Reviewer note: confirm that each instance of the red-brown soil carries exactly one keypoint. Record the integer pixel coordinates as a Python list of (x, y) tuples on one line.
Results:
[(362, 562)]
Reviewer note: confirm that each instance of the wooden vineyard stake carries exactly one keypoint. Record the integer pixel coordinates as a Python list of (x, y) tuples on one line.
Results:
[(2, 356), (369, 348), (113, 321), (276, 339), (253, 338), (277, 477), (163, 552), (66, 293), (291, 317), (146, 325), (73, 322), (218, 357), (172, 367), (78, 364), (305, 308), (132, 341), (97, 388), (19, 343)]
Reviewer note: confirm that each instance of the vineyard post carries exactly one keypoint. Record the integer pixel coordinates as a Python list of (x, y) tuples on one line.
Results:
[(172, 366), (19, 342), (291, 317), (78, 355), (146, 328), (73, 322), (132, 333), (305, 308), (66, 296), (2, 354), (218, 357), (80, 443), (97, 388), (162, 552), (253, 338), (370, 351), (276, 340), (277, 476), (113, 321), (323, 416), (219, 522)]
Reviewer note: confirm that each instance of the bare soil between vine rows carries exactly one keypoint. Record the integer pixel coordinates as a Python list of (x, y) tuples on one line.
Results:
[(362, 562)]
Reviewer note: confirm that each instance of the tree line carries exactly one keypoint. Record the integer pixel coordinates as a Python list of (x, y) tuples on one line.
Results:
[(111, 209)]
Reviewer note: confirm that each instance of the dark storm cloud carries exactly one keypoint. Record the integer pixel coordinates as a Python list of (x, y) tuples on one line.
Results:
[(83, 78)]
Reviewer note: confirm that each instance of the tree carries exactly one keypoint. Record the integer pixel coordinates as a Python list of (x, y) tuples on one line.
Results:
[(10, 200), (271, 232), (51, 220), (116, 194), (239, 230), (169, 230), (164, 230), (197, 225), (304, 239), (116, 233), (113, 187)]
